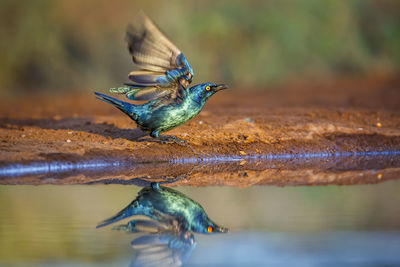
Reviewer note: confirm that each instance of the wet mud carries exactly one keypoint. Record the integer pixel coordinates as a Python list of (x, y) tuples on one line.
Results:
[(239, 172), (343, 117)]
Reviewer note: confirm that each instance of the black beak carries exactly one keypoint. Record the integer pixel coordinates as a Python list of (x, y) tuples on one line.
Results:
[(219, 229), (219, 87)]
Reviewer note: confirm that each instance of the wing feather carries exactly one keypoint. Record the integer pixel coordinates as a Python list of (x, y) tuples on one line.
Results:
[(149, 47), (164, 70), (149, 93), (146, 77)]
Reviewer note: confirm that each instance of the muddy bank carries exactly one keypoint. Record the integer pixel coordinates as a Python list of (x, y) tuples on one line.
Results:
[(239, 172), (330, 117)]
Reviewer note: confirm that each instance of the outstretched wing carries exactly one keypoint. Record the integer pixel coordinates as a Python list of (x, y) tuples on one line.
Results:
[(164, 70)]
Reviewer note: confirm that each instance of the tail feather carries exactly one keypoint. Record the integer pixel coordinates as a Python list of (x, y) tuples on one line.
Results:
[(121, 105), (125, 213)]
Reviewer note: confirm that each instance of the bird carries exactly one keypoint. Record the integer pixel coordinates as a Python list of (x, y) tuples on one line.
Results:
[(164, 204), (163, 81), (164, 243)]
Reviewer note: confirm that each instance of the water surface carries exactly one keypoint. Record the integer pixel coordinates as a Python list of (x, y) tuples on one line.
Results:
[(331, 225), (353, 220)]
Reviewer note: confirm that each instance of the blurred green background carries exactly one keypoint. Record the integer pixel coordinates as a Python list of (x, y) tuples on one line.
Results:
[(72, 44)]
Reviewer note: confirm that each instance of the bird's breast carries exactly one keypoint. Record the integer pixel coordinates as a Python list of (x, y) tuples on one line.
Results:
[(167, 117)]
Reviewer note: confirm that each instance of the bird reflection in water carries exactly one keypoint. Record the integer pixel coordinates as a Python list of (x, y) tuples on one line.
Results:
[(168, 238)]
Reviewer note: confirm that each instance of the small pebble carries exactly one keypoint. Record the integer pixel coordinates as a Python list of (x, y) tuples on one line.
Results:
[(23, 135), (200, 122), (69, 141), (242, 153), (69, 132), (242, 162), (378, 124)]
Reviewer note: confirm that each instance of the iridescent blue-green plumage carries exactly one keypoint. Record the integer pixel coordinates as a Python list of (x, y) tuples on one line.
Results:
[(165, 204), (165, 113), (167, 235), (166, 243), (163, 80), (161, 243)]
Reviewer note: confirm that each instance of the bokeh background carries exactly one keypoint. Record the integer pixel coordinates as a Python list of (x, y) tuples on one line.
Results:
[(71, 44)]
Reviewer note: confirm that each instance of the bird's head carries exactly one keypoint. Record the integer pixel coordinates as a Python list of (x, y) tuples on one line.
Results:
[(203, 225), (202, 92)]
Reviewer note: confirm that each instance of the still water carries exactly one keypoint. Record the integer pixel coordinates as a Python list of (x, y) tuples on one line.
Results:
[(269, 225)]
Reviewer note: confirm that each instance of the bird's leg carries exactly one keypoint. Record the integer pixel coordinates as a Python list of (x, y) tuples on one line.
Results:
[(168, 139)]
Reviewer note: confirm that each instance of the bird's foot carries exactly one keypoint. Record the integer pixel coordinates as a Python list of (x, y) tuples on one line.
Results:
[(169, 139), (174, 179)]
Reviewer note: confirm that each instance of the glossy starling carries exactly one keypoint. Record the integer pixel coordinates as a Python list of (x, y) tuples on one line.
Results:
[(163, 80), (164, 204)]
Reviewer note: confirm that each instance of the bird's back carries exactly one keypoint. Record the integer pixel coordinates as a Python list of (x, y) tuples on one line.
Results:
[(169, 201)]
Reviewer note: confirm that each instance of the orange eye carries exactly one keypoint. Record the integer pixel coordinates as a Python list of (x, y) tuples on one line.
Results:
[(208, 88), (209, 229)]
